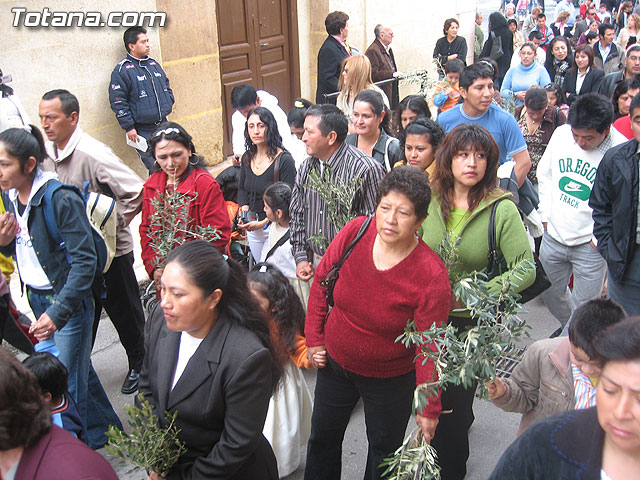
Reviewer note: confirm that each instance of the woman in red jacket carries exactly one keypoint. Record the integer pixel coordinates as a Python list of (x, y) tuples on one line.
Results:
[(181, 168), (390, 276)]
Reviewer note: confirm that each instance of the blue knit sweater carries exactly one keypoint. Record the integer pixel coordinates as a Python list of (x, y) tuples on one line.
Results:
[(521, 78)]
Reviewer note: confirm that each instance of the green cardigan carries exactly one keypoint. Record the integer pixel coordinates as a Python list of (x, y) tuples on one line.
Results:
[(473, 249)]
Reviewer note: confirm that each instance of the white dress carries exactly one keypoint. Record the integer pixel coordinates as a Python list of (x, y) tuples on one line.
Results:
[(288, 422)]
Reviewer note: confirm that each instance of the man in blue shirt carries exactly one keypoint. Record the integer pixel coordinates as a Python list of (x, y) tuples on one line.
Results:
[(476, 88)]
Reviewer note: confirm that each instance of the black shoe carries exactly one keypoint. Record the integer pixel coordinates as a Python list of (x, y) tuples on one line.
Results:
[(130, 384)]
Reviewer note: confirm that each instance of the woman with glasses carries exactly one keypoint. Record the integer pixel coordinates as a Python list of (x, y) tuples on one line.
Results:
[(354, 78), (181, 169)]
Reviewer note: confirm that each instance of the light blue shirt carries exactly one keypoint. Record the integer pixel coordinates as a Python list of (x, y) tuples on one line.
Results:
[(501, 125), (604, 53)]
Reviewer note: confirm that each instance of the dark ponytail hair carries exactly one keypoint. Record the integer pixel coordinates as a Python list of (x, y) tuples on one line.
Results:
[(278, 197), (22, 144), (295, 116), (209, 270), (375, 101), (285, 306)]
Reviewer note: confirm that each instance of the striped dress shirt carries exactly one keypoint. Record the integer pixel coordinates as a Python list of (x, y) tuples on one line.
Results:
[(309, 212)]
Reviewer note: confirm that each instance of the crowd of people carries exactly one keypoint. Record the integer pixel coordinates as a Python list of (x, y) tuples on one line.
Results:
[(535, 135)]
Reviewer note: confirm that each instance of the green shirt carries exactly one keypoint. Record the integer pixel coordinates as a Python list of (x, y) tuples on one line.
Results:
[(473, 248), (456, 220)]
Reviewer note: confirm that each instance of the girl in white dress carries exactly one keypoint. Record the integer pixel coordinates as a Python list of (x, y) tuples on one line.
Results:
[(288, 422), (277, 251)]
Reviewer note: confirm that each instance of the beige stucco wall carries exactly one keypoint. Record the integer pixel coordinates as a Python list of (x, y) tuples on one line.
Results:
[(417, 25), (81, 60)]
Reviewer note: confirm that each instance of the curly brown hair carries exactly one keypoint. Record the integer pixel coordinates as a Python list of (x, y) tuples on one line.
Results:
[(465, 137), (24, 417)]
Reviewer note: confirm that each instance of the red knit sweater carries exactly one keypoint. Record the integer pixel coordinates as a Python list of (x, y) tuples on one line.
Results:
[(372, 308)]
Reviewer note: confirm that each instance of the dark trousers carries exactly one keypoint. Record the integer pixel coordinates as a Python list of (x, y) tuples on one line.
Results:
[(451, 440), (147, 157), (124, 308), (387, 407)]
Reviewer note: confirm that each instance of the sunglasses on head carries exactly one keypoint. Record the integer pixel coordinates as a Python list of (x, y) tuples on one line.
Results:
[(166, 131)]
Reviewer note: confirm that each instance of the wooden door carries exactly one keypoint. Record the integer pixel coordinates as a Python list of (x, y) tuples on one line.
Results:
[(258, 42)]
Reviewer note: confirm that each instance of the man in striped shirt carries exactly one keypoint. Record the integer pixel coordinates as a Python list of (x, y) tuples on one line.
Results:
[(325, 130)]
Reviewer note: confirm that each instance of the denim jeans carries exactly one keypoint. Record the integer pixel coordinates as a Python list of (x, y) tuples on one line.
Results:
[(387, 407), (559, 262), (74, 343)]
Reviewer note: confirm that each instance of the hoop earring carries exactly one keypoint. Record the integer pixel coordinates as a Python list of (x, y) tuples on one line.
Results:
[(192, 163)]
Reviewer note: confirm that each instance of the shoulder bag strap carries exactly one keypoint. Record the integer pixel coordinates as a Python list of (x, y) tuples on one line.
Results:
[(333, 274), (276, 168), (49, 217), (356, 239), (281, 241), (386, 154), (493, 247)]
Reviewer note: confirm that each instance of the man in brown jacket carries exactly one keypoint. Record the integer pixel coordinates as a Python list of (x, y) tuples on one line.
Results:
[(383, 63), (77, 158)]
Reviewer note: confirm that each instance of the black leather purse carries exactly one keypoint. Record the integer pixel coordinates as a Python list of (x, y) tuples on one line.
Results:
[(497, 265), (330, 280)]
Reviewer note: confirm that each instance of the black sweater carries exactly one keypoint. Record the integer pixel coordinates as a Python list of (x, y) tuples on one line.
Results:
[(252, 186)]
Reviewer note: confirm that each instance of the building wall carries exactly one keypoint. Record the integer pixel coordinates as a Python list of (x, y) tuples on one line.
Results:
[(81, 60), (414, 39)]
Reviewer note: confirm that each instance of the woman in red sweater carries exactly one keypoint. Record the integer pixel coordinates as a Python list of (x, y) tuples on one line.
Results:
[(181, 168), (391, 276)]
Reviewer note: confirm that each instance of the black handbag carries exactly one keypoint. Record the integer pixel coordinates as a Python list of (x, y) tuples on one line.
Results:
[(329, 281), (497, 265), (496, 47)]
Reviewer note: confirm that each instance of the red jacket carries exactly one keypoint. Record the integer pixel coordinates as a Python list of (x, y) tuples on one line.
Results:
[(208, 208)]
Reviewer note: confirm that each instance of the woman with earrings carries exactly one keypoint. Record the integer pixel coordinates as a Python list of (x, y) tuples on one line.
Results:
[(264, 163), (181, 168)]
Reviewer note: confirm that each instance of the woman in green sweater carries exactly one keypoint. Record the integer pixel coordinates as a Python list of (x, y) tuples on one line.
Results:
[(464, 188)]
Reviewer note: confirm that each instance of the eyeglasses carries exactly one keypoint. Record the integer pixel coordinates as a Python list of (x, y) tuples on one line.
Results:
[(166, 131)]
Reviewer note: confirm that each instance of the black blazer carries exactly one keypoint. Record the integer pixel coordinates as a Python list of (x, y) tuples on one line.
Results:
[(330, 58), (591, 83), (221, 398)]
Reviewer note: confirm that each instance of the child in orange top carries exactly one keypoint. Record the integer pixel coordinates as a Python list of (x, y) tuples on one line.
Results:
[(288, 421), (447, 93)]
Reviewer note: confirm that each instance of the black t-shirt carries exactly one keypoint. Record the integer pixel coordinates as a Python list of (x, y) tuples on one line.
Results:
[(252, 186)]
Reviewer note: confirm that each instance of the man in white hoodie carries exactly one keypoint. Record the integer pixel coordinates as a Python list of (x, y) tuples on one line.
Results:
[(245, 98), (566, 174)]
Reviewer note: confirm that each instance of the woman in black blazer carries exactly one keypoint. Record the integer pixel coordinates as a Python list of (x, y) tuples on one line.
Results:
[(498, 28), (582, 70), (209, 357)]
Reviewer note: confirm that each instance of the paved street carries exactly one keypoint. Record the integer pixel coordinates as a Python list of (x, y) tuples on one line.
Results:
[(490, 435)]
